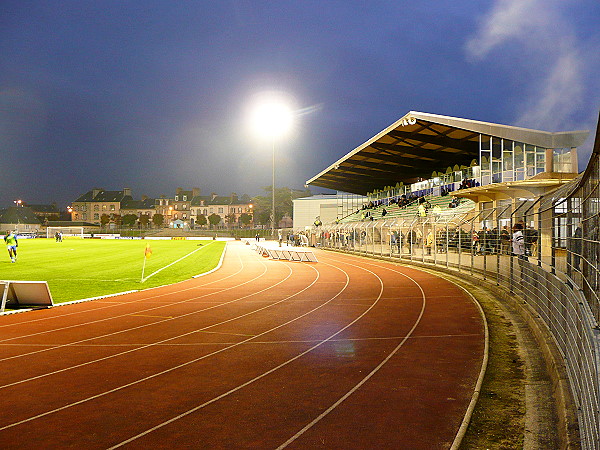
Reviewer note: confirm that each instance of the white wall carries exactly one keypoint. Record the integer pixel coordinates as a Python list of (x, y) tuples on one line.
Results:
[(307, 209)]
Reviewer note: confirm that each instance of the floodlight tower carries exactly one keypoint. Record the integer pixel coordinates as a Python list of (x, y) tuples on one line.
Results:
[(272, 118)]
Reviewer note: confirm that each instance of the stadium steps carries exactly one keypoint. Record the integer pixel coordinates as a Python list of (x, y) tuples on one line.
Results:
[(411, 211)]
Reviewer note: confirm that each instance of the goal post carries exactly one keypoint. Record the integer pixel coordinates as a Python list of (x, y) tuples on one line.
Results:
[(66, 231)]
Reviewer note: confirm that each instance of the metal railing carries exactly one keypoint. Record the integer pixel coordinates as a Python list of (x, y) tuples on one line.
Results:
[(558, 277)]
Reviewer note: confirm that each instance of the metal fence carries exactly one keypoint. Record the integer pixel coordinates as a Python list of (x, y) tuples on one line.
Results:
[(558, 276)]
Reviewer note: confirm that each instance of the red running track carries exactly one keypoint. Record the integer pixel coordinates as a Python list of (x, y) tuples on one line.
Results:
[(343, 353)]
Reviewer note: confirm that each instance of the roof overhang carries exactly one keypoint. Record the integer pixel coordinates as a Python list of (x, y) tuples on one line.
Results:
[(530, 189), (420, 143)]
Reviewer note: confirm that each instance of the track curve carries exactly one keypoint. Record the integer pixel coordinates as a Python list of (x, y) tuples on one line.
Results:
[(344, 353)]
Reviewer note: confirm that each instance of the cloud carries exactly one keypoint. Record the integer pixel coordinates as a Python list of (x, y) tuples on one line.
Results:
[(537, 29)]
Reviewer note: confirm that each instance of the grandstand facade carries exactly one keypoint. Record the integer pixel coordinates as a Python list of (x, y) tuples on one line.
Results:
[(483, 179)]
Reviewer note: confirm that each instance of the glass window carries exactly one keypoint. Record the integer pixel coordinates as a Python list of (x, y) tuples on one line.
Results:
[(540, 160), (112, 207), (96, 216)]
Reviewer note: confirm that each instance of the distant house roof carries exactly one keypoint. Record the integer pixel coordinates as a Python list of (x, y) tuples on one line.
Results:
[(47, 209), (100, 195), (128, 203), (210, 200), (19, 214), (188, 194)]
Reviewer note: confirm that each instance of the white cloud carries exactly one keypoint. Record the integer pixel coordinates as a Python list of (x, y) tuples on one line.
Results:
[(537, 29)]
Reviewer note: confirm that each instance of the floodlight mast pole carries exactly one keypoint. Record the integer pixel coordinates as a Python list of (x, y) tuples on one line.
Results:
[(273, 193)]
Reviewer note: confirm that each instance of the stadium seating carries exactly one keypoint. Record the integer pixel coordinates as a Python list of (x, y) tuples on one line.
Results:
[(411, 211)]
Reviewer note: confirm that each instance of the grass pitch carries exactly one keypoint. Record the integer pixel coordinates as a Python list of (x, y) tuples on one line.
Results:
[(84, 268)]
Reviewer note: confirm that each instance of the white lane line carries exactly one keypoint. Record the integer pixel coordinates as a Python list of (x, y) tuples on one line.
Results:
[(303, 341), (370, 374), (174, 262), (264, 374), (113, 304), (138, 327), (163, 305), (102, 394), (477, 389)]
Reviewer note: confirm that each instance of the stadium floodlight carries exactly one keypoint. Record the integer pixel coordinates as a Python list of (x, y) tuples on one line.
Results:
[(272, 117)]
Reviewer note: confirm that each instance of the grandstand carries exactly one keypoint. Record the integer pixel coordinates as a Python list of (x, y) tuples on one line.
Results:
[(503, 176)]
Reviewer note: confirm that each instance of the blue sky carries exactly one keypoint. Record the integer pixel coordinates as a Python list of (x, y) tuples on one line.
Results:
[(153, 95)]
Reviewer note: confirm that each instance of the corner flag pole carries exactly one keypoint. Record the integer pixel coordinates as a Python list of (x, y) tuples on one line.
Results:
[(147, 254)]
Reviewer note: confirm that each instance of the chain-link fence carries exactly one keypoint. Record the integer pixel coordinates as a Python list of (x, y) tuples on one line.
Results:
[(547, 251)]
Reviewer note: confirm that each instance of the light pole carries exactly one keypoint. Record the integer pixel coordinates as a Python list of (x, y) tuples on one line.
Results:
[(272, 118), (273, 192)]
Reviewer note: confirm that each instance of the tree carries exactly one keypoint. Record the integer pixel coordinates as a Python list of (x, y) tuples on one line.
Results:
[(214, 220), (129, 220), (283, 203), (104, 219), (201, 220), (158, 220), (144, 220), (230, 219), (245, 219)]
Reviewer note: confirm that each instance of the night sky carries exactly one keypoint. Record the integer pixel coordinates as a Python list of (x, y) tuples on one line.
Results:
[(154, 95)]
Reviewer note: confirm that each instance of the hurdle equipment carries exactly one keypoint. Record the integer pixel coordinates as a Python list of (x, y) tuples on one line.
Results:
[(273, 251)]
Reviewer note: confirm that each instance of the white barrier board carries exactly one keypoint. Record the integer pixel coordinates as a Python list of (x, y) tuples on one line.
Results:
[(273, 251), (24, 293)]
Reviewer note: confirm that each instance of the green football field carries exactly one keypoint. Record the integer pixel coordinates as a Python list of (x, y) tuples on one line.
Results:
[(84, 268)]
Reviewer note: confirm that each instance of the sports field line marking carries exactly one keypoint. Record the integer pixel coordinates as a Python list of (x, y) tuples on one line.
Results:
[(125, 315), (225, 334), (264, 374), (374, 371), (154, 317), (174, 262), (161, 321), (477, 390), (300, 341), (114, 304), (102, 394)]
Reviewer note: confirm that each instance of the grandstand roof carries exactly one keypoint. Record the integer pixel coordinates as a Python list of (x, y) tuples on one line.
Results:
[(420, 143)]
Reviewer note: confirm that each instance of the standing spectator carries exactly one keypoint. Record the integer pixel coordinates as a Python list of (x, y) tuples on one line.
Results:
[(429, 241), (518, 242)]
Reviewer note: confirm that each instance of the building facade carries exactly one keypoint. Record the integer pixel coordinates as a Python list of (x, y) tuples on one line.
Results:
[(186, 209), (91, 206)]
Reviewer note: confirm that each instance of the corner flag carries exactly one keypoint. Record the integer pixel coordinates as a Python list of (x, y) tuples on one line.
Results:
[(148, 251)]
